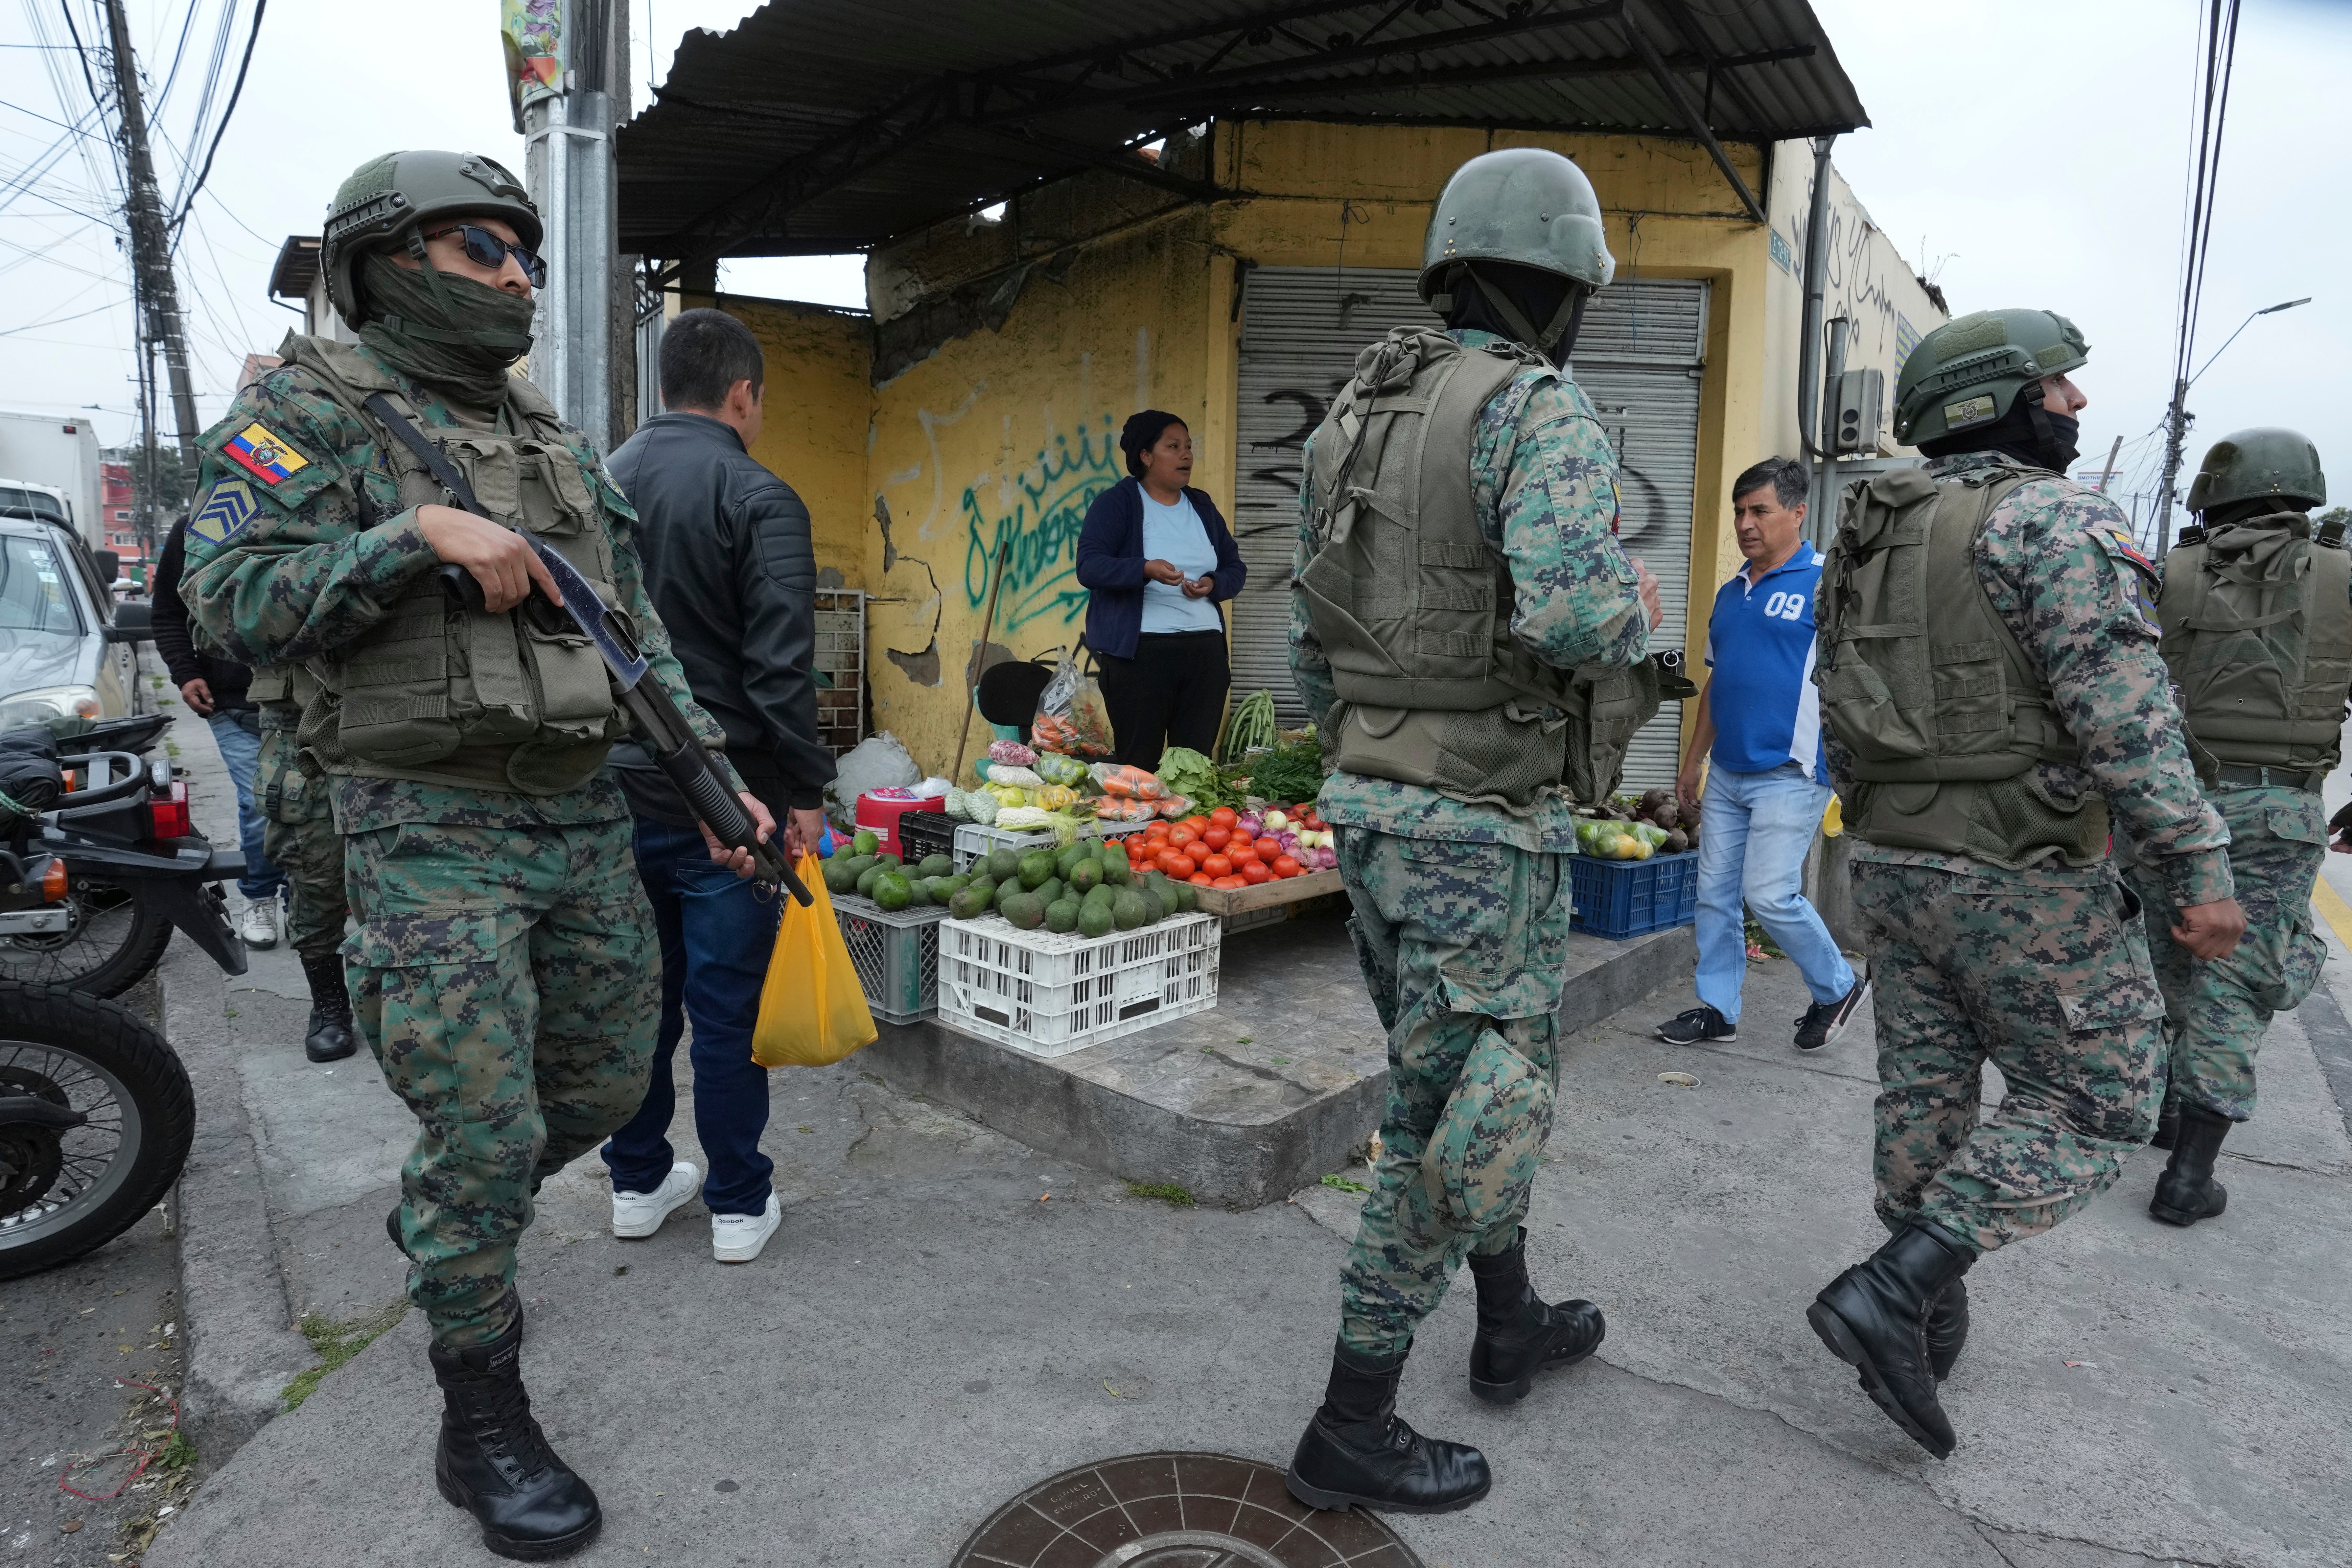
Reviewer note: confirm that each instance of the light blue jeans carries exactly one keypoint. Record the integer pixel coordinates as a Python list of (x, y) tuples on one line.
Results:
[(1754, 832), (238, 736)]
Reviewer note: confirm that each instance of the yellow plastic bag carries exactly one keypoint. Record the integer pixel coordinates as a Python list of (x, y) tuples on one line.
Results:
[(812, 1011)]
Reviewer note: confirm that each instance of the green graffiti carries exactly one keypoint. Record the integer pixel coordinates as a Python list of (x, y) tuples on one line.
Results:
[(1040, 579)]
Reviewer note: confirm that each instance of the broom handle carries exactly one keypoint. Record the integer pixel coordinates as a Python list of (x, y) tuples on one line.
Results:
[(987, 629)]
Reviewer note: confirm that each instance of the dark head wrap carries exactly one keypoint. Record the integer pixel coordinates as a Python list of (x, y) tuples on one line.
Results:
[(1142, 433), (452, 334)]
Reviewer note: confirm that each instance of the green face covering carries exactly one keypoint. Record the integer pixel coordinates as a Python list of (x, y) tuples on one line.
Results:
[(452, 334)]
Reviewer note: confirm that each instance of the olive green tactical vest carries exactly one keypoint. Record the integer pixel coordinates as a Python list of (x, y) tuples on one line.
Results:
[(1412, 606), (1922, 681), (434, 692), (2257, 620)]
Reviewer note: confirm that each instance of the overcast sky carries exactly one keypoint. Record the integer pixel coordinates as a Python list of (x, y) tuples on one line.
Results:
[(2023, 152)]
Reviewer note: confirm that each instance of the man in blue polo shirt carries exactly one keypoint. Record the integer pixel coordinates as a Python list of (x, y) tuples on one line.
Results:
[(1759, 723)]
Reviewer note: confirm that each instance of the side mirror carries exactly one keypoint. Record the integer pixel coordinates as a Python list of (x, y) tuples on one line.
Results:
[(134, 621), (109, 565)]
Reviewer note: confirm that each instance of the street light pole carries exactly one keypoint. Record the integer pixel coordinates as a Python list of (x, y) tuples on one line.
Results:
[(2176, 425)]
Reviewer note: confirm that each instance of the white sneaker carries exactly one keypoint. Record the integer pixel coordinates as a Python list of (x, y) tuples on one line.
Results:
[(738, 1238), (638, 1215), (257, 920)]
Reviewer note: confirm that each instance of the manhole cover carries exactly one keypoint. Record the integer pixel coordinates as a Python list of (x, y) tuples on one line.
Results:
[(1177, 1510)]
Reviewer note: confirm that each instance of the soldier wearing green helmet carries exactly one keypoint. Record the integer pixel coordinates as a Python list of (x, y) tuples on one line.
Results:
[(1990, 674), (504, 971), (1467, 709), (2257, 612)]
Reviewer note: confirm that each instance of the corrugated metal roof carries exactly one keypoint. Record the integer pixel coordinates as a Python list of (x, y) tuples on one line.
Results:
[(828, 125)]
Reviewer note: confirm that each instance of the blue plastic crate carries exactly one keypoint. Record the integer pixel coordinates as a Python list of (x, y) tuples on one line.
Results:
[(1626, 897)]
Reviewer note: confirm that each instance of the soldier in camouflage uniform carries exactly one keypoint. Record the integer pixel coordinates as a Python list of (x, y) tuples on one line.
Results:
[(504, 970), (1989, 670), (299, 836), (1453, 826), (2257, 612)]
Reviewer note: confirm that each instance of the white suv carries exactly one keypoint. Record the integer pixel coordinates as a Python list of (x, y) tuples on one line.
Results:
[(65, 645)]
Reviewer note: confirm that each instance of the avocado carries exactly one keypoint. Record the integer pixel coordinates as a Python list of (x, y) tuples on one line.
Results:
[(919, 894), (1004, 864), (1037, 868), (1101, 893), (935, 866), (893, 891), (973, 902), (867, 878), (1023, 911), (943, 889), (1095, 919), (1128, 910), (1062, 915), (893, 861), (838, 877), (1051, 892), (1007, 888), (1114, 870), (865, 843), (1086, 875), (1155, 906), (1187, 897), (1068, 858), (959, 881)]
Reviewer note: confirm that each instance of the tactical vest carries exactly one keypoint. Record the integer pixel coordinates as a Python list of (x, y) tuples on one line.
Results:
[(1922, 682), (434, 692), (2257, 620), (1412, 606)]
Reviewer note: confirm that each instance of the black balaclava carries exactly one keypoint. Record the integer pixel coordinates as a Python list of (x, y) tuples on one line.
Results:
[(1525, 304), (2028, 432), (451, 334), (1140, 434)]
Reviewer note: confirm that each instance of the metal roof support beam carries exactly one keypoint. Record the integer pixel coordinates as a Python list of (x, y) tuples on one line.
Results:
[(1525, 70), (1127, 163), (1692, 120), (1678, 14)]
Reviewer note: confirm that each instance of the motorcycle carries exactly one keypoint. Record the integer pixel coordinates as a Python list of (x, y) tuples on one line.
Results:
[(129, 866)]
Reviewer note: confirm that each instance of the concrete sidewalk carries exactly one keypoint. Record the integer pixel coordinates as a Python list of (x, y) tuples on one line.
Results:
[(931, 1332)]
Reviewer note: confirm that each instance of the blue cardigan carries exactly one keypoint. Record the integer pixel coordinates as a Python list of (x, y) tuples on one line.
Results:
[(1111, 564)]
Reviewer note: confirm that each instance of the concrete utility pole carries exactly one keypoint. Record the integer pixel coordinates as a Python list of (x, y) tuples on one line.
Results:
[(150, 243), (2179, 419), (568, 167)]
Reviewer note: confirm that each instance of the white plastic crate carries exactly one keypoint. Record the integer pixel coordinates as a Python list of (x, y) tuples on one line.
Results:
[(1051, 995), (972, 841), (895, 953)]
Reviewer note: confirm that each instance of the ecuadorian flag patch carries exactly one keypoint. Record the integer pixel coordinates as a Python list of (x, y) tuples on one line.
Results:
[(265, 454), (2128, 551), (226, 508)]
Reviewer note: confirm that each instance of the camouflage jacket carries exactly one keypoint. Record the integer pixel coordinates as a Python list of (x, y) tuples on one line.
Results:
[(1544, 484), (286, 569), (2058, 563)]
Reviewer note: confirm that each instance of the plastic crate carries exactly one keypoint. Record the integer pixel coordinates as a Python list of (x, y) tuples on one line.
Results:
[(895, 953), (1049, 995), (972, 841), (926, 833), (1626, 897)]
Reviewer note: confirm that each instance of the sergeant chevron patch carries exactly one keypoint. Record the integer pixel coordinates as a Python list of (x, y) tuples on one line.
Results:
[(227, 507)]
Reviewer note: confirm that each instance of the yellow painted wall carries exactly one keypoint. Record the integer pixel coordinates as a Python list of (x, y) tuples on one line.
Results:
[(819, 400)]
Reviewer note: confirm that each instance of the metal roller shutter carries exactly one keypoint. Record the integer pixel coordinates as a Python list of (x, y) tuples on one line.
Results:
[(1638, 358)]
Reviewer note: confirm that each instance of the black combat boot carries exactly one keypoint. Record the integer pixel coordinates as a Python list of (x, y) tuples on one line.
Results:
[(1518, 1334), (1873, 1317), (331, 1036), (494, 1460), (2167, 1123), (2187, 1190), (1358, 1453), (1947, 1328)]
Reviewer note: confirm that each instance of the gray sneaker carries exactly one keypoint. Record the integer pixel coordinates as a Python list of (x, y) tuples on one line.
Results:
[(1825, 1021), (1702, 1025)]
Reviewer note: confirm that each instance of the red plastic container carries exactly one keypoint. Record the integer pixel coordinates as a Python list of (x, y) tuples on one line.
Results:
[(879, 811)]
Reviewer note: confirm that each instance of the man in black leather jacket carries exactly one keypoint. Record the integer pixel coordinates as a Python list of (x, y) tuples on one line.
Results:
[(729, 565)]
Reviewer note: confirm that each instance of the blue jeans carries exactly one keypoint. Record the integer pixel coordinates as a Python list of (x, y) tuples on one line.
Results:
[(717, 932), (238, 736), (1753, 835)]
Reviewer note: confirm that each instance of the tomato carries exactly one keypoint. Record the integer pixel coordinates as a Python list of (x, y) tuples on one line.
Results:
[(1182, 835), (1267, 847), (1199, 879), (1217, 866), (1174, 864), (1286, 865), (1242, 855), (1159, 830), (1223, 816), (1217, 837), (1196, 822), (1254, 873)]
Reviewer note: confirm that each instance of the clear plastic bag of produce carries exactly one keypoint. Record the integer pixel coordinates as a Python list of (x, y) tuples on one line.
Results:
[(1071, 716)]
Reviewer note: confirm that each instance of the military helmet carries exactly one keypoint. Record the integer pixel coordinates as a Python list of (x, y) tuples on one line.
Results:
[(1968, 373), (1523, 204), (389, 198), (2262, 462)]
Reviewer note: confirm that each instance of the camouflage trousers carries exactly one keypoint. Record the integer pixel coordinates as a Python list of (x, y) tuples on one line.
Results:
[(1463, 947), (508, 981), (2044, 975), (2216, 1012), (299, 836)]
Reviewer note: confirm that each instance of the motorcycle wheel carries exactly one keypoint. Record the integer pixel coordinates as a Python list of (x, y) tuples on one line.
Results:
[(64, 1192), (115, 937)]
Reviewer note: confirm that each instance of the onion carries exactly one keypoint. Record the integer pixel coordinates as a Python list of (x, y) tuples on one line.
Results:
[(1289, 842), (1326, 859), (1249, 826), (1275, 822)]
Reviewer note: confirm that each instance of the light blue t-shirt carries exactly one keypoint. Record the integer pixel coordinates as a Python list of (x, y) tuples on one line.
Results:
[(1174, 534)]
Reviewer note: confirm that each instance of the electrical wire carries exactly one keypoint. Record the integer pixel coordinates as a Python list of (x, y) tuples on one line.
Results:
[(236, 92), (2220, 59)]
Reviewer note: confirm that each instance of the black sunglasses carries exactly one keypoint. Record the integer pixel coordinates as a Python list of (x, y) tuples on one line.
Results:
[(485, 249)]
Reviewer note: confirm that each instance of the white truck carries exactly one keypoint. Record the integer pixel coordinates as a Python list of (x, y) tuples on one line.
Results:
[(56, 452)]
